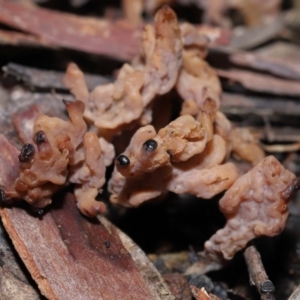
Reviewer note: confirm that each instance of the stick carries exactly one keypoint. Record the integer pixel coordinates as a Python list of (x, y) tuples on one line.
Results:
[(257, 273)]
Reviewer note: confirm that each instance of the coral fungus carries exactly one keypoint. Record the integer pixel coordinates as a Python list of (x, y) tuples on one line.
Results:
[(61, 152), (255, 205), (188, 154)]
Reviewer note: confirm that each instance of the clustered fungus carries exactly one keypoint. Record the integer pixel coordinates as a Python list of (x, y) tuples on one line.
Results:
[(61, 152), (189, 154), (113, 106), (181, 160), (255, 205)]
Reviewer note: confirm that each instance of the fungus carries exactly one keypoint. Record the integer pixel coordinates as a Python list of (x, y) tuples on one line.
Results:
[(180, 162), (255, 205), (188, 155), (62, 152), (154, 72)]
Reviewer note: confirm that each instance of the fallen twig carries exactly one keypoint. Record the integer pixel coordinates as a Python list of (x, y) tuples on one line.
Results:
[(282, 148), (22, 39), (280, 67), (118, 39), (254, 36), (257, 273), (48, 79), (261, 83)]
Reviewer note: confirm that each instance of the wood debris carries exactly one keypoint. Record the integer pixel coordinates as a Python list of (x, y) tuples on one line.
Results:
[(65, 30), (14, 280), (285, 68), (257, 273), (261, 83), (37, 78), (118, 39)]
